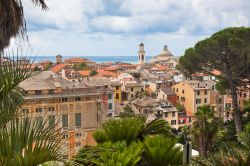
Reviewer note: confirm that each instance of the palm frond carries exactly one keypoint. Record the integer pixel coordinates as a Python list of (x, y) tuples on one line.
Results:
[(157, 126), (12, 72), (30, 142), (12, 21), (40, 3), (162, 151), (125, 129)]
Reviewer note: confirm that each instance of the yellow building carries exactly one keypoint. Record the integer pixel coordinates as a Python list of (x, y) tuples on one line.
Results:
[(117, 86), (192, 94), (78, 108)]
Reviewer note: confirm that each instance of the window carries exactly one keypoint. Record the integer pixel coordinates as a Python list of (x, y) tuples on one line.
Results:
[(173, 89), (132, 89), (173, 114), (65, 120), (183, 99), (64, 99), (77, 98), (228, 105), (78, 135), (245, 95), (176, 89), (38, 92), (117, 87), (78, 144), (198, 92), (190, 119), (142, 90), (65, 136), (132, 95), (183, 91), (117, 95), (110, 96), (52, 120), (198, 101), (166, 114), (173, 122), (205, 92), (110, 106), (51, 109), (78, 119), (181, 121), (51, 91), (25, 110), (213, 87), (205, 100), (39, 109)]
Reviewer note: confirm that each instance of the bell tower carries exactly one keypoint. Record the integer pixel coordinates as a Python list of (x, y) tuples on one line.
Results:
[(141, 54)]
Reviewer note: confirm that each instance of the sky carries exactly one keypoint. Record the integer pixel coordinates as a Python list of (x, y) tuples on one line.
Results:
[(116, 27)]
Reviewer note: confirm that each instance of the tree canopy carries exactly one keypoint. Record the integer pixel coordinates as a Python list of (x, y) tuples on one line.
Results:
[(227, 51)]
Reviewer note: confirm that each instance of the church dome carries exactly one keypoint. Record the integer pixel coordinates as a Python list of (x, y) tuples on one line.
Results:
[(163, 56)]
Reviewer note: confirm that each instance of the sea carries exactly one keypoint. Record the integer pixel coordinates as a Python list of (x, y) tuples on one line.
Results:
[(97, 59)]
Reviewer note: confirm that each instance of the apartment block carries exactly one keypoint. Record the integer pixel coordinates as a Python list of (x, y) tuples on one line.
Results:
[(102, 85), (78, 108), (192, 94)]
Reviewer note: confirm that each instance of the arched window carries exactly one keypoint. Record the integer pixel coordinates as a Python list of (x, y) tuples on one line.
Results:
[(142, 57)]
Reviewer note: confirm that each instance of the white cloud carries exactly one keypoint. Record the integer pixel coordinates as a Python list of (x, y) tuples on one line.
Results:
[(115, 27)]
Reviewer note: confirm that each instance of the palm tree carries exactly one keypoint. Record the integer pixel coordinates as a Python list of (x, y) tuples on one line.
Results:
[(23, 141), (109, 154), (26, 142), (204, 129), (121, 142), (161, 151), (12, 21), (131, 129)]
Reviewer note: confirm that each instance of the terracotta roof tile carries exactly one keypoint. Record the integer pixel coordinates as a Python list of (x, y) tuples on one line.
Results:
[(58, 67), (84, 73)]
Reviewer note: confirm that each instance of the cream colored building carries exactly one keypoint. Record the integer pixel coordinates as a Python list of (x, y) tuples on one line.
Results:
[(78, 108)]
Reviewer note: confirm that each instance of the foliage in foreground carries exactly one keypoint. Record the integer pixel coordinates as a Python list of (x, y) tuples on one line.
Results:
[(23, 141), (154, 150), (204, 129), (132, 141), (230, 155), (130, 129)]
